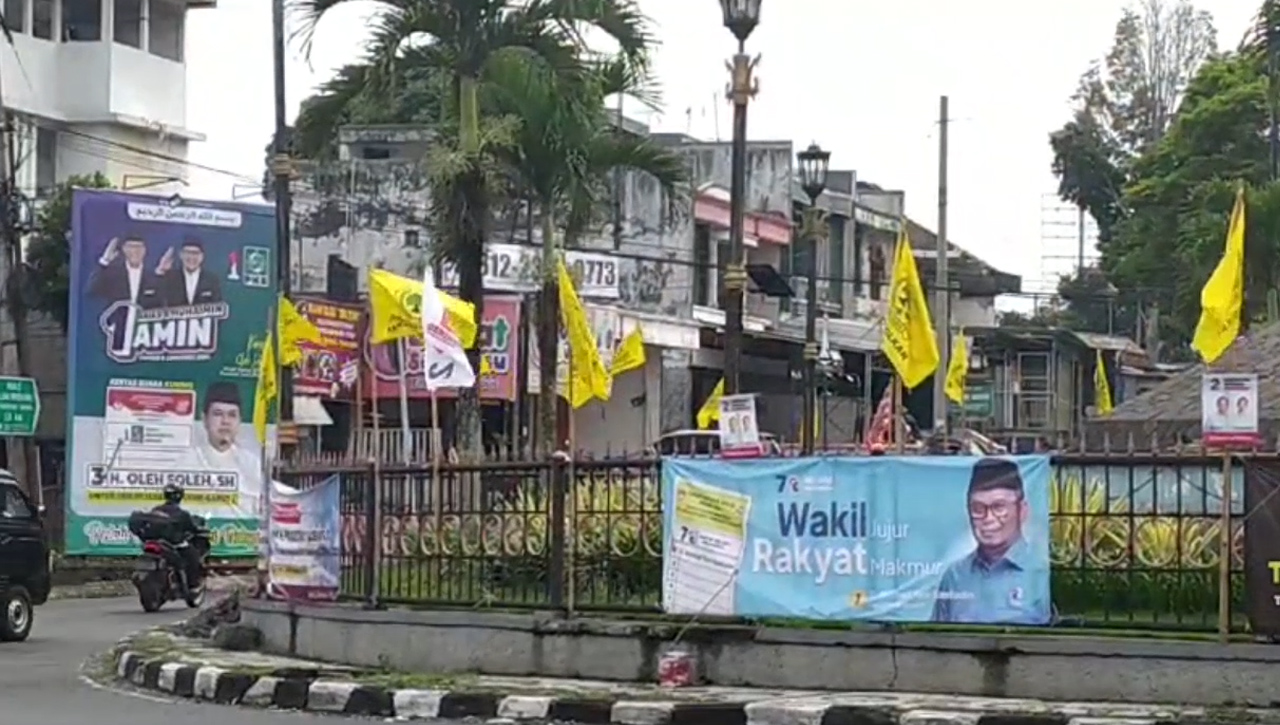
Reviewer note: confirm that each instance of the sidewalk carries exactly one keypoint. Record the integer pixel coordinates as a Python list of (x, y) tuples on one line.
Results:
[(191, 668)]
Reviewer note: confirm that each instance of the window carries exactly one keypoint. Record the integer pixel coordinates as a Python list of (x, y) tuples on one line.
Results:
[(167, 38), (859, 251), (375, 153), (15, 15), (81, 20), (128, 23), (702, 265), (42, 19), (15, 504), (876, 280), (412, 239), (46, 161)]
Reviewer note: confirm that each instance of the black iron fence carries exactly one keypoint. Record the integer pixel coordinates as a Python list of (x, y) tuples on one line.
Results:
[(1135, 539)]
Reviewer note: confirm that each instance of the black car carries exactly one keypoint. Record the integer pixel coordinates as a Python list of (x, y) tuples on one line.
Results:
[(24, 560)]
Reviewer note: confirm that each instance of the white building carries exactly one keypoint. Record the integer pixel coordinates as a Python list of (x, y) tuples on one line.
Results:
[(102, 86)]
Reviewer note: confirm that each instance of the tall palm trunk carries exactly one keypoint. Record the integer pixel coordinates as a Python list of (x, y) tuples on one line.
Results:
[(548, 336), (470, 211)]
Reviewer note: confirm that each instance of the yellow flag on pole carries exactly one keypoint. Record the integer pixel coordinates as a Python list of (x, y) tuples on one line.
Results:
[(1101, 387), (958, 369), (266, 391), (395, 310), (1222, 298), (908, 332), (588, 377), (294, 328), (710, 410), (630, 354)]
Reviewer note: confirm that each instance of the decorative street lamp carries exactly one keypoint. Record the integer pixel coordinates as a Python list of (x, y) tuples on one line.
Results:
[(813, 179), (740, 17)]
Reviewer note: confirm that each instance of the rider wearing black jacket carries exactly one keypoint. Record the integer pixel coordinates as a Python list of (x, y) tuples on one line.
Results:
[(184, 527)]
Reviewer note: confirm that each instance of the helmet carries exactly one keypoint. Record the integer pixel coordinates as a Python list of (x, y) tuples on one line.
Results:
[(173, 493)]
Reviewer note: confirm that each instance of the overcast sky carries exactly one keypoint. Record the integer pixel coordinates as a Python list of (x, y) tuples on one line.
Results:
[(860, 78)]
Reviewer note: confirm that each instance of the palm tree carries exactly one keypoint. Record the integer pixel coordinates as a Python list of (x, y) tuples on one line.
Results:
[(563, 155), (460, 40)]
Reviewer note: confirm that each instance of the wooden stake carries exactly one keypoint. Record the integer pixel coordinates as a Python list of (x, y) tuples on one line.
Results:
[(1224, 555)]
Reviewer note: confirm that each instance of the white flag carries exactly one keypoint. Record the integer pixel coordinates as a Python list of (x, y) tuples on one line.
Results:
[(443, 359)]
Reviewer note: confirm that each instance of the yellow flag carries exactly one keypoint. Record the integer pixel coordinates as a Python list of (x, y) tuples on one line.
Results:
[(294, 328), (957, 369), (710, 410), (908, 332), (630, 354), (1222, 298), (588, 377), (396, 310), (485, 367), (266, 391), (1101, 387)]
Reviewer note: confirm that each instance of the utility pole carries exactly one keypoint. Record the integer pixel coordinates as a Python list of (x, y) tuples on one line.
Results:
[(941, 283), (27, 468), (282, 167), (1272, 17)]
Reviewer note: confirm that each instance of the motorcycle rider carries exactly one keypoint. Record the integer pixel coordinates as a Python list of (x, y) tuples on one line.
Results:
[(183, 528)]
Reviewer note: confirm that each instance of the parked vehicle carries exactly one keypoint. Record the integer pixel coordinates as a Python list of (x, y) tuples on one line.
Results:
[(159, 574), (25, 579), (704, 443)]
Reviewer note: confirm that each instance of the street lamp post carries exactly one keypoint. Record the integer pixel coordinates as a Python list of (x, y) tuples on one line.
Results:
[(813, 179), (740, 17)]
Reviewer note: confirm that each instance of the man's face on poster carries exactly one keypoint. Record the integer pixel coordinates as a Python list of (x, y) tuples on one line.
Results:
[(996, 516), (1242, 405), (222, 424), (135, 251), (1224, 405), (192, 257)]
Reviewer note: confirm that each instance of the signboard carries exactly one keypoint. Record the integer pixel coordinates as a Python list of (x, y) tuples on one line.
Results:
[(321, 371), (979, 400), (1262, 546), (517, 268), (304, 561), (1229, 410), (498, 340), (19, 406), (887, 539), (739, 432), (164, 341)]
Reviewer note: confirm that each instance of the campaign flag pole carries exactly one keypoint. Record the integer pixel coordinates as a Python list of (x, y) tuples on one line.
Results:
[(264, 521), (1224, 554), (899, 417), (406, 435), (437, 485)]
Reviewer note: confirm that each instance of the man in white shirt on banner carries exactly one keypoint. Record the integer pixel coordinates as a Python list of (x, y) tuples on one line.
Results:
[(221, 451)]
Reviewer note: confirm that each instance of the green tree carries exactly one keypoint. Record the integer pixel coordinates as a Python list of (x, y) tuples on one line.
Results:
[(457, 41), (49, 249)]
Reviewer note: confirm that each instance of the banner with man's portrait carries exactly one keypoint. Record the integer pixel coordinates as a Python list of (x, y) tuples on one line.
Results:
[(167, 317)]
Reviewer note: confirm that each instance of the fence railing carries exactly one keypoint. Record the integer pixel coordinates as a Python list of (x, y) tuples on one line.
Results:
[(1134, 538)]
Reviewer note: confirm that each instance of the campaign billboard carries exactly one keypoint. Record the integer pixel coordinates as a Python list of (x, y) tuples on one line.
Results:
[(167, 319), (329, 367), (944, 539)]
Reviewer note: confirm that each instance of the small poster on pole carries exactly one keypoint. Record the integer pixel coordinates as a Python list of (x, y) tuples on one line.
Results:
[(1229, 410), (739, 432)]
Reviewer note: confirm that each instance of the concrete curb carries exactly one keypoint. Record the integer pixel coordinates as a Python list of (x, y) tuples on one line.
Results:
[(299, 690)]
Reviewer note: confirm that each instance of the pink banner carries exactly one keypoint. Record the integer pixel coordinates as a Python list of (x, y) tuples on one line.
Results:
[(498, 340), (320, 372)]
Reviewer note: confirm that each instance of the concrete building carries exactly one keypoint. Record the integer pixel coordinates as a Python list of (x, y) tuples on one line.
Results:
[(666, 265), (100, 85)]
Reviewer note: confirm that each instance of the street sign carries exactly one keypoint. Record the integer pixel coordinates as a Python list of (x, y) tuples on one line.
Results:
[(19, 406)]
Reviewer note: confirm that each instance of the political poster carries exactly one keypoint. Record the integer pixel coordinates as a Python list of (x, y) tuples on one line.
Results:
[(329, 367), (893, 539), (306, 542), (166, 327)]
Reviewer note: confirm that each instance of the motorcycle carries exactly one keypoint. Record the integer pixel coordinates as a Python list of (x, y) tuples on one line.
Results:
[(159, 574)]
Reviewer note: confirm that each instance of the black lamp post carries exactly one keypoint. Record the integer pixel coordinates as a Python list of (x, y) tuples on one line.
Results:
[(740, 17), (813, 179)]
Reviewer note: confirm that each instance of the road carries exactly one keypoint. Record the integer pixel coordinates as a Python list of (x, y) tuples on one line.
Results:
[(41, 679)]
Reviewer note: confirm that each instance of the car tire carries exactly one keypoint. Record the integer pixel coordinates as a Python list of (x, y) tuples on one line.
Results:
[(16, 614)]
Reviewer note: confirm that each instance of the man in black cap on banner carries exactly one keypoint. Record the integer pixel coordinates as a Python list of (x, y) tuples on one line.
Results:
[(994, 584)]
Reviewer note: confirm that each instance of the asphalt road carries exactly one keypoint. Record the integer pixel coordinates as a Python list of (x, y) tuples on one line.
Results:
[(41, 678)]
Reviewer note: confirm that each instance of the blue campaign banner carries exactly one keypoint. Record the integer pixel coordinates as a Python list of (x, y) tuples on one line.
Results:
[(891, 539)]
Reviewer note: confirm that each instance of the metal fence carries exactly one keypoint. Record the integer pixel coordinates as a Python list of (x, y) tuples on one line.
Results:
[(1134, 538)]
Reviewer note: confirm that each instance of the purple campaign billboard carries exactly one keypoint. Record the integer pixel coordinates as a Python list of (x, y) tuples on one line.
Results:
[(168, 315)]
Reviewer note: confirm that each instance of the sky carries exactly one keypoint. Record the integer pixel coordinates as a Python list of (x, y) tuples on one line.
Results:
[(862, 79)]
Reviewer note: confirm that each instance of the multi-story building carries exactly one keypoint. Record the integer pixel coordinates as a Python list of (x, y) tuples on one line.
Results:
[(665, 263), (99, 85)]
